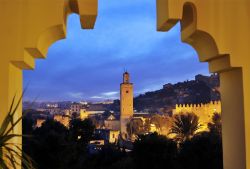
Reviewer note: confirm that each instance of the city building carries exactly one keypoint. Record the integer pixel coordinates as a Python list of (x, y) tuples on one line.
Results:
[(97, 108), (52, 105), (50, 110), (112, 122), (109, 136), (108, 101), (83, 114), (76, 107)]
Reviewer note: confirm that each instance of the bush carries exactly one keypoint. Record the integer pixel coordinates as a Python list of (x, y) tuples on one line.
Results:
[(202, 151), (154, 151)]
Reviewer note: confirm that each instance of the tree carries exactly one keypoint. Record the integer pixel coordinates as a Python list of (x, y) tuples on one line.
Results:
[(53, 146), (81, 130), (159, 121), (27, 124), (147, 125), (215, 126), (27, 130), (97, 121), (107, 156), (50, 144), (203, 151), (184, 126), (135, 127), (154, 151)]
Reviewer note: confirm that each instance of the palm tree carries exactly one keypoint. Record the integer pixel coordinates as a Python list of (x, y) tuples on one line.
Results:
[(215, 126), (184, 126), (11, 155)]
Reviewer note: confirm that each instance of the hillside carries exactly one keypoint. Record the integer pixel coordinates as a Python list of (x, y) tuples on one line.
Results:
[(201, 90)]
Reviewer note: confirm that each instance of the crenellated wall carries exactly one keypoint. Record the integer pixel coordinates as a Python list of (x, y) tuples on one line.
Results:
[(203, 111)]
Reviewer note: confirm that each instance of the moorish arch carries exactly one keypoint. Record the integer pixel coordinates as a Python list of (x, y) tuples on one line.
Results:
[(217, 29), (28, 28)]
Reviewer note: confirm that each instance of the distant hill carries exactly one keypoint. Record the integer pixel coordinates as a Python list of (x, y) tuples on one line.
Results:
[(201, 90)]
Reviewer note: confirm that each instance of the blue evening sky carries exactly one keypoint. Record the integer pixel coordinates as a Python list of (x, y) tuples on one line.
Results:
[(88, 64)]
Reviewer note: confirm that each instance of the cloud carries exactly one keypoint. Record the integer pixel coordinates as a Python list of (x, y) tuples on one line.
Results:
[(88, 64), (75, 95), (106, 95), (110, 93), (96, 97)]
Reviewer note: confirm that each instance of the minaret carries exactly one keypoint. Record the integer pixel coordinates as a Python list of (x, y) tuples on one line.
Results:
[(126, 103)]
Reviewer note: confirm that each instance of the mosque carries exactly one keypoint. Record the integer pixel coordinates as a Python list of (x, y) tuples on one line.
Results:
[(126, 108)]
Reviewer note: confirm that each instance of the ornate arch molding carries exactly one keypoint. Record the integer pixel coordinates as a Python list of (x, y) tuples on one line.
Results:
[(172, 11), (44, 22), (217, 28)]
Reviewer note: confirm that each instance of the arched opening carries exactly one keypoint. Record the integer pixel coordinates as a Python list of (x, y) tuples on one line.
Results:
[(23, 23), (234, 157), (196, 38), (183, 25)]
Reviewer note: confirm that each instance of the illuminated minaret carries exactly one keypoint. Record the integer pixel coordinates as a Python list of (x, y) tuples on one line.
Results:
[(126, 105)]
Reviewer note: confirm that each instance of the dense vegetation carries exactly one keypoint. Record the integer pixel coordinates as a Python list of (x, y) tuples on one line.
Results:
[(53, 146)]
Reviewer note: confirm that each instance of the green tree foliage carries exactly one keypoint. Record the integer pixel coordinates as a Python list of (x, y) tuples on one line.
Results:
[(123, 163), (54, 146), (184, 126), (202, 151), (138, 126), (107, 158), (160, 122), (81, 131), (147, 125), (215, 126), (97, 121), (135, 127), (153, 152), (50, 145)]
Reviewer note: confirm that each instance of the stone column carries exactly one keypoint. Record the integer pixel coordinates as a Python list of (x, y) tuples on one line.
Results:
[(233, 119), (246, 92), (10, 85)]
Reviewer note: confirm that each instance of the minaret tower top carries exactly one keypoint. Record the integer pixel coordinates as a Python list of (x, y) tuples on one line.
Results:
[(126, 77)]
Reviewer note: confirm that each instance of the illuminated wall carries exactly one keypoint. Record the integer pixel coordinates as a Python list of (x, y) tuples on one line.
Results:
[(203, 111)]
